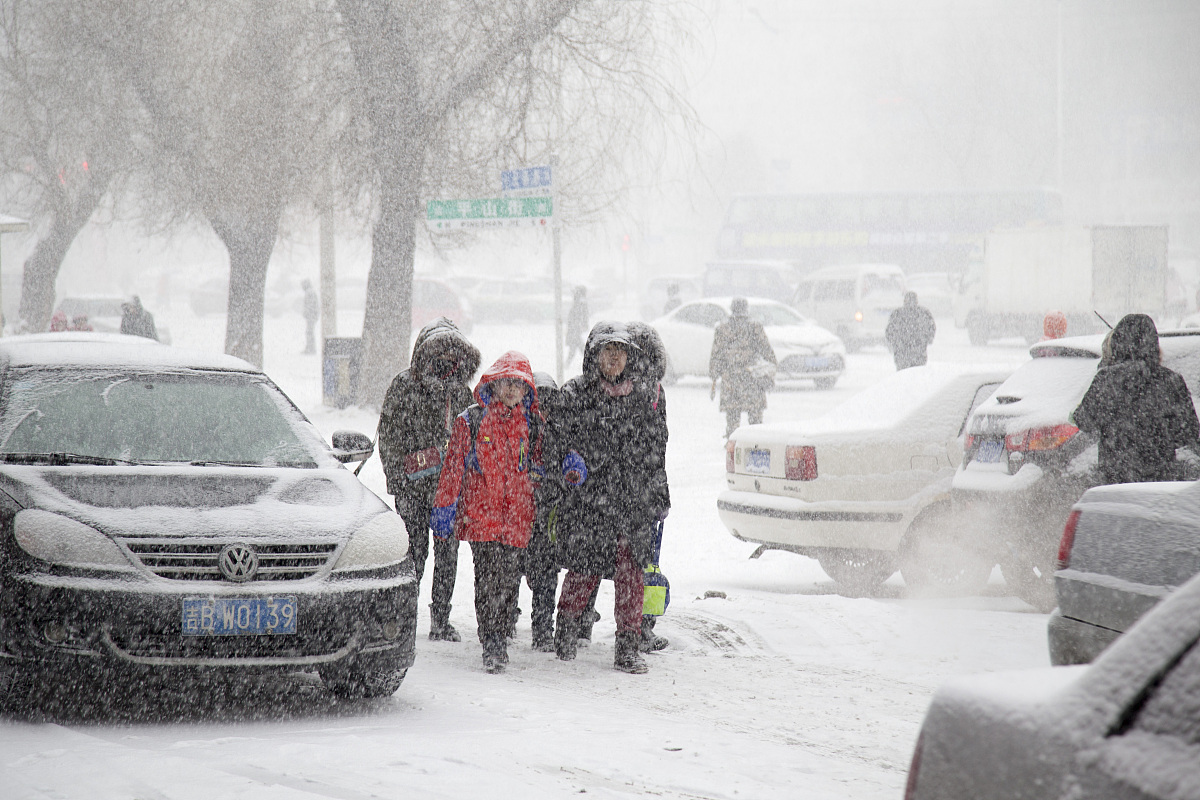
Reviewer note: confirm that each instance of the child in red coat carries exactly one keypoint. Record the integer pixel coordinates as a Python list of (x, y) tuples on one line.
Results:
[(485, 495)]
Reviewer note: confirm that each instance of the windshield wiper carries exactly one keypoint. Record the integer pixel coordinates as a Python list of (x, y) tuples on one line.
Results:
[(62, 459)]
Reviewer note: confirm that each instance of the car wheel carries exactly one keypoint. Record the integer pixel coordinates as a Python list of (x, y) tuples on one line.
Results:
[(936, 557), (858, 570), (825, 383), (355, 684), (1033, 583)]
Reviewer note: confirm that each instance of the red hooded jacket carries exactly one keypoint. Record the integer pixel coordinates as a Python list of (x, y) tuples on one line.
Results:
[(490, 483)]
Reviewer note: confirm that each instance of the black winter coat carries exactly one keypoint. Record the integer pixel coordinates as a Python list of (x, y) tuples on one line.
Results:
[(622, 440), (1140, 410), (740, 343), (420, 406), (910, 331)]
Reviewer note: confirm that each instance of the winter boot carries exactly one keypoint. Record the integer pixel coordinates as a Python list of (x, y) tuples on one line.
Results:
[(440, 629), (566, 633), (626, 656), (589, 618), (651, 642), (495, 655), (543, 636)]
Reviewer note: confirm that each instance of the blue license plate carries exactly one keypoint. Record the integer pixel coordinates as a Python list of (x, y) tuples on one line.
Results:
[(819, 363), (758, 462), (990, 451), (239, 616)]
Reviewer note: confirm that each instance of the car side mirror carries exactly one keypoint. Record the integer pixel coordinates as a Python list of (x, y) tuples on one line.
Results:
[(351, 446)]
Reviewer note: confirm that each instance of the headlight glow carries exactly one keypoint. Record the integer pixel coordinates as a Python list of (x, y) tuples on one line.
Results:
[(382, 542), (62, 540)]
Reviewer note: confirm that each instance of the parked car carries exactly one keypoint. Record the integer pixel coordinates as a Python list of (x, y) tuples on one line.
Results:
[(768, 279), (434, 298), (104, 314), (166, 511), (1124, 548), (1123, 728), (853, 300), (1026, 464), (802, 348), (865, 488)]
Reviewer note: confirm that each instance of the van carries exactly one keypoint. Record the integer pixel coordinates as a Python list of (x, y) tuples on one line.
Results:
[(767, 279), (852, 300)]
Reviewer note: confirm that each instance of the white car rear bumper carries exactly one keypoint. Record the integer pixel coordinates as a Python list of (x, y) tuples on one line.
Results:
[(796, 524)]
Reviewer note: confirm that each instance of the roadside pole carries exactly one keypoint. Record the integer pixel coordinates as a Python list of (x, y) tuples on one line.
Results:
[(328, 274), (556, 231)]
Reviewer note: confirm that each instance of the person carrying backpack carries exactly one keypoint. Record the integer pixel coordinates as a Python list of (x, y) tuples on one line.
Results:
[(485, 494)]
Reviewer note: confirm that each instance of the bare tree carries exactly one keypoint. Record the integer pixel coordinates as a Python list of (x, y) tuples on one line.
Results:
[(63, 138), (449, 91)]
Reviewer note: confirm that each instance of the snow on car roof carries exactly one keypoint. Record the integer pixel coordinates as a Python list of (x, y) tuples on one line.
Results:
[(83, 349)]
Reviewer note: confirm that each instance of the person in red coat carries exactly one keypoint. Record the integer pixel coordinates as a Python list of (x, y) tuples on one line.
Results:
[(485, 494)]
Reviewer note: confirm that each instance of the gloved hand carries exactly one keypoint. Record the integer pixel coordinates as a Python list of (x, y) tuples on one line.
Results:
[(441, 520), (574, 469)]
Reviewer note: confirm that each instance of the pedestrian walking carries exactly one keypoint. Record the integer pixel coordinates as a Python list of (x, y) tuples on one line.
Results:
[(743, 361), (1140, 410), (577, 322), (539, 561), (312, 312), (485, 494), (414, 430), (136, 320), (608, 457), (910, 330)]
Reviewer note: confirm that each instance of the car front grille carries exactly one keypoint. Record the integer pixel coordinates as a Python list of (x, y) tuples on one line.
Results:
[(191, 560)]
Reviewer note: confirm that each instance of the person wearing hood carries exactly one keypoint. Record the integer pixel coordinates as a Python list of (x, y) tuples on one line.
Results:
[(485, 494), (910, 331), (1140, 410), (740, 350), (606, 451), (136, 320), (414, 429)]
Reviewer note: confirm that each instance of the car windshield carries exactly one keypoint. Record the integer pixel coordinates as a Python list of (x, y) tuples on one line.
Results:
[(776, 315), (192, 417)]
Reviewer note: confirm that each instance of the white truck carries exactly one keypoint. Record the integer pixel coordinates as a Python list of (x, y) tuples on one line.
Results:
[(1110, 270)]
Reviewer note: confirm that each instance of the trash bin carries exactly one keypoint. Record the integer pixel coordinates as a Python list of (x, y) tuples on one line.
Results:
[(340, 361)]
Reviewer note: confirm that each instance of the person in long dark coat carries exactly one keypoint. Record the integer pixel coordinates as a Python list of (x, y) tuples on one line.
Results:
[(910, 331), (414, 431), (136, 320), (1140, 410), (740, 351), (312, 313), (607, 456)]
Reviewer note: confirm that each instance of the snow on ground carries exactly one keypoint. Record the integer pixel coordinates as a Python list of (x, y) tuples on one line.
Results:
[(783, 687)]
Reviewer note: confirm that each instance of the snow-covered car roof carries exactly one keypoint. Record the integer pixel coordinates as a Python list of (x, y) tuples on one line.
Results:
[(725, 302), (82, 349)]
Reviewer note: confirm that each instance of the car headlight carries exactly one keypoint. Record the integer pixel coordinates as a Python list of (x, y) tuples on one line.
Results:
[(62, 540), (382, 542)]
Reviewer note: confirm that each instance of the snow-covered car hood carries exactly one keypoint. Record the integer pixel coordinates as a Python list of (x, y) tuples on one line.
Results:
[(811, 336), (190, 501)]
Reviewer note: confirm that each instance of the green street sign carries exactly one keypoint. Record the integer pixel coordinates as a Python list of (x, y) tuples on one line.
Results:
[(491, 212)]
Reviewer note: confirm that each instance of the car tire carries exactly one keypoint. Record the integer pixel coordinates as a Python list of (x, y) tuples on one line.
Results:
[(936, 558), (363, 684), (824, 384), (858, 570)]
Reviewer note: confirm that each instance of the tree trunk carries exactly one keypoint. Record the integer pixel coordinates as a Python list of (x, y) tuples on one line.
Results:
[(41, 268), (249, 241)]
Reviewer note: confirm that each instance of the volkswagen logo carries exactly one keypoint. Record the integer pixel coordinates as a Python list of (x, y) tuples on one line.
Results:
[(238, 562)]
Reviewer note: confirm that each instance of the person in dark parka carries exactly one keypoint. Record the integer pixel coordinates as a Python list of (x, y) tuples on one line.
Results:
[(539, 561), (607, 454), (414, 430), (136, 320), (910, 331), (740, 350), (1140, 410)]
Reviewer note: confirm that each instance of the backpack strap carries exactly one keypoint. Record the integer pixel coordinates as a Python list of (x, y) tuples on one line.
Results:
[(474, 417)]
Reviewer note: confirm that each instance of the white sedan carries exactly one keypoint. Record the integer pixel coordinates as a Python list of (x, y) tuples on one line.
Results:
[(1124, 728), (802, 347), (865, 488)]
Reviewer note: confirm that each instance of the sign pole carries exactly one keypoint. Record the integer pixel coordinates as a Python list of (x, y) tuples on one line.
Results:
[(556, 234)]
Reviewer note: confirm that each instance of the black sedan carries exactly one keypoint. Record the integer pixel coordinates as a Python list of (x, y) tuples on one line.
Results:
[(164, 511)]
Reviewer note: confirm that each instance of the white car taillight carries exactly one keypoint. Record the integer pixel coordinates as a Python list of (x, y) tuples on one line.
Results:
[(1035, 439), (729, 448)]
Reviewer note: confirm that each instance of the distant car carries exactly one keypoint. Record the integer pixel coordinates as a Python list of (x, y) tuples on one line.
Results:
[(934, 291), (1124, 728), (171, 512), (802, 348), (104, 314), (1124, 548), (767, 279), (434, 298), (853, 300), (1026, 464), (865, 488)]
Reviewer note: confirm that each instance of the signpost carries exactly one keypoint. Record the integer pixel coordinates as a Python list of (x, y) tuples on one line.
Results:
[(528, 201)]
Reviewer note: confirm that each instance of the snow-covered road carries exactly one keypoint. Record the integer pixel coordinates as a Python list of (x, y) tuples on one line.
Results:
[(778, 687)]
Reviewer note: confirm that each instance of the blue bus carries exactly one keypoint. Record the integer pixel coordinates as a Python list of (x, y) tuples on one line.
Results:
[(922, 231)]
